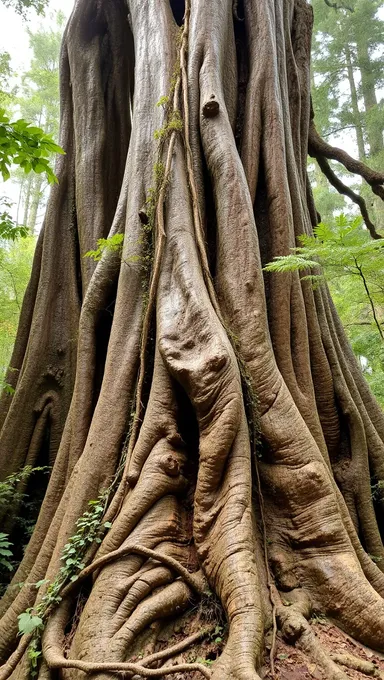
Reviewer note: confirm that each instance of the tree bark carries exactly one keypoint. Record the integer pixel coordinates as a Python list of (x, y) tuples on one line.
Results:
[(217, 413)]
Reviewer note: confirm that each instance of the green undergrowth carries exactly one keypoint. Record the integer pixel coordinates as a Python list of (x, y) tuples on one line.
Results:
[(89, 529), (11, 497)]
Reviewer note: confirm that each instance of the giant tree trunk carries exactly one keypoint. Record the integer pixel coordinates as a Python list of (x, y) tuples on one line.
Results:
[(219, 415)]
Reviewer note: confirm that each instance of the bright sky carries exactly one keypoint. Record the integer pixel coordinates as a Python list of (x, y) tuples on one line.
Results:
[(14, 39), (13, 34)]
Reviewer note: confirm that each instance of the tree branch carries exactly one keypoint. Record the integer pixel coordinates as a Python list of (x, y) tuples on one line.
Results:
[(347, 191), (336, 6), (318, 147), (359, 269)]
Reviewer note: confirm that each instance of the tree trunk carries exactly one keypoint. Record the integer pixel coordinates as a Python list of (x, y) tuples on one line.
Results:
[(27, 198), (218, 415), (355, 104), (35, 202), (368, 84)]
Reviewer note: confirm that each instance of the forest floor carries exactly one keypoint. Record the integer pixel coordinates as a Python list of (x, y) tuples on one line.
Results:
[(290, 662)]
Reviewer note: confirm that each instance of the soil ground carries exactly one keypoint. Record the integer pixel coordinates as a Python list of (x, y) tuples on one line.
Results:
[(290, 663)]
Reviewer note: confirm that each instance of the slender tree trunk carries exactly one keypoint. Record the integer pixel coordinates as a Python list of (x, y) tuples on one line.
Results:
[(35, 202), (355, 104), (368, 85), (217, 415), (27, 198), (19, 201)]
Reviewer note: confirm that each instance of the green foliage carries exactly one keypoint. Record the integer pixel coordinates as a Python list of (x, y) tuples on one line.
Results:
[(351, 262), (173, 122), (23, 6), (5, 552), (9, 231), (89, 529), (15, 269), (27, 146), (163, 101), (29, 622), (11, 496), (342, 249), (347, 79), (6, 91), (8, 493), (113, 243)]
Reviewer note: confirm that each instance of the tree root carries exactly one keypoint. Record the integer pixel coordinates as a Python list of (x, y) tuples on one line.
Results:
[(356, 664), (7, 669), (177, 648), (59, 661), (196, 581), (296, 630)]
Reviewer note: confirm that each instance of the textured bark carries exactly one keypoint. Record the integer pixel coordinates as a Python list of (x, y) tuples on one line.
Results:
[(248, 462)]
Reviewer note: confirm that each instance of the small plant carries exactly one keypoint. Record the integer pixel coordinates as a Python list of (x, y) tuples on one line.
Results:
[(8, 493), (205, 662), (375, 558), (5, 552), (377, 490), (319, 618), (6, 388), (163, 101), (9, 231), (113, 243)]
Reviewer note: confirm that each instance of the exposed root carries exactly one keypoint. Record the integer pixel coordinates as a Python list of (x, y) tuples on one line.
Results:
[(296, 630), (196, 581), (59, 661), (7, 669), (172, 650), (184, 505), (356, 664), (270, 581)]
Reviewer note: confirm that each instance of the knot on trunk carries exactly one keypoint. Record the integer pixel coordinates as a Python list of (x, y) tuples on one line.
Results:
[(170, 465), (211, 107)]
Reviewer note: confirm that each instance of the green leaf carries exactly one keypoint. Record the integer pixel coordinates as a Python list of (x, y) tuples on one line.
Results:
[(28, 623)]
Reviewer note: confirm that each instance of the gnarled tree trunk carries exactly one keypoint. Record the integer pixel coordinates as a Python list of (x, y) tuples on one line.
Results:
[(220, 413)]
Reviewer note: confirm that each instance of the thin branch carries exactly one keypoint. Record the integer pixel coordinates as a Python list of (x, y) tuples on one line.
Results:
[(334, 5), (357, 323), (347, 191), (341, 129), (358, 267)]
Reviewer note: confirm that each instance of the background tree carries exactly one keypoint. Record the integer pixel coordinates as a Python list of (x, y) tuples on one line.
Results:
[(204, 424), (23, 6), (39, 104), (348, 77)]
